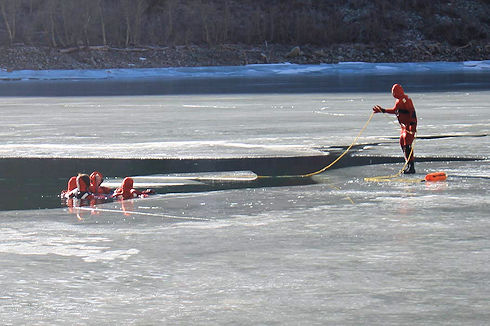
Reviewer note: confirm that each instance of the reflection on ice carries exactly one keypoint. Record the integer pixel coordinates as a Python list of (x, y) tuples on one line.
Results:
[(29, 241)]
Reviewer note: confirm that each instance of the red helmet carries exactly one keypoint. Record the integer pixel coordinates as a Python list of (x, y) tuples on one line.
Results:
[(96, 178), (126, 190), (127, 184), (397, 91), (72, 183)]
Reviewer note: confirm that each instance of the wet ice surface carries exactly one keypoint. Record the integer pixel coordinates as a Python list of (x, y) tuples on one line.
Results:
[(231, 125), (340, 251)]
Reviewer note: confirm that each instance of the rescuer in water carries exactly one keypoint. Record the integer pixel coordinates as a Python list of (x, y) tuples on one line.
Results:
[(82, 188), (72, 184), (94, 189), (126, 191), (405, 112), (96, 178)]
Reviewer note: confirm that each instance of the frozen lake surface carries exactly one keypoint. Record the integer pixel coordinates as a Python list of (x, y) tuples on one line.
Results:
[(335, 250)]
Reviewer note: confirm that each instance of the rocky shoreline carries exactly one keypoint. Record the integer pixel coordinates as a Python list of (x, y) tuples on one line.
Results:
[(21, 57)]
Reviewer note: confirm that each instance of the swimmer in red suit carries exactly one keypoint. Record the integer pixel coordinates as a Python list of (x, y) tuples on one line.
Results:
[(405, 112), (126, 191), (72, 184), (96, 179), (82, 189)]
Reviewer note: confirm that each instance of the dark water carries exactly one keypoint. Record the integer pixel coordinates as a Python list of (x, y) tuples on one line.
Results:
[(42, 179), (416, 82)]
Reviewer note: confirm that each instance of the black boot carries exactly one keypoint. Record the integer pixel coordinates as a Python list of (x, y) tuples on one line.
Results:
[(410, 169)]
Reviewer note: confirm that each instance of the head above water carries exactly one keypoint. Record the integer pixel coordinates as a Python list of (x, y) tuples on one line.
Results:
[(83, 182), (127, 183), (397, 91), (96, 178), (72, 183)]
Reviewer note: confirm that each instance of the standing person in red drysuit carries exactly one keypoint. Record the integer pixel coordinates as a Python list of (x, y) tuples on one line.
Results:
[(405, 112)]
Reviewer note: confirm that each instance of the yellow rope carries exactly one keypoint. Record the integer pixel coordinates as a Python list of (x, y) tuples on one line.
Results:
[(396, 174), (329, 165), (394, 177)]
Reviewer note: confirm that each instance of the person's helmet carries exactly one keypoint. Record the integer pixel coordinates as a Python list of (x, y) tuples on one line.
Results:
[(72, 184), (127, 184), (397, 91), (126, 190), (96, 178)]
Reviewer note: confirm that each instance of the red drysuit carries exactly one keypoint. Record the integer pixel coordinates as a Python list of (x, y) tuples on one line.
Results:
[(126, 191), (81, 191), (405, 112), (95, 188)]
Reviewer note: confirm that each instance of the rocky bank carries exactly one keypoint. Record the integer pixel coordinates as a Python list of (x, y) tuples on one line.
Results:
[(19, 57)]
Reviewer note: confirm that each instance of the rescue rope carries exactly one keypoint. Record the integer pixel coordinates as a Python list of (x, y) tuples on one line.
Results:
[(395, 177), (307, 175)]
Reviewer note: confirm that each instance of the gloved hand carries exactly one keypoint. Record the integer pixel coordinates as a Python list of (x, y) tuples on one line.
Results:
[(378, 109)]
